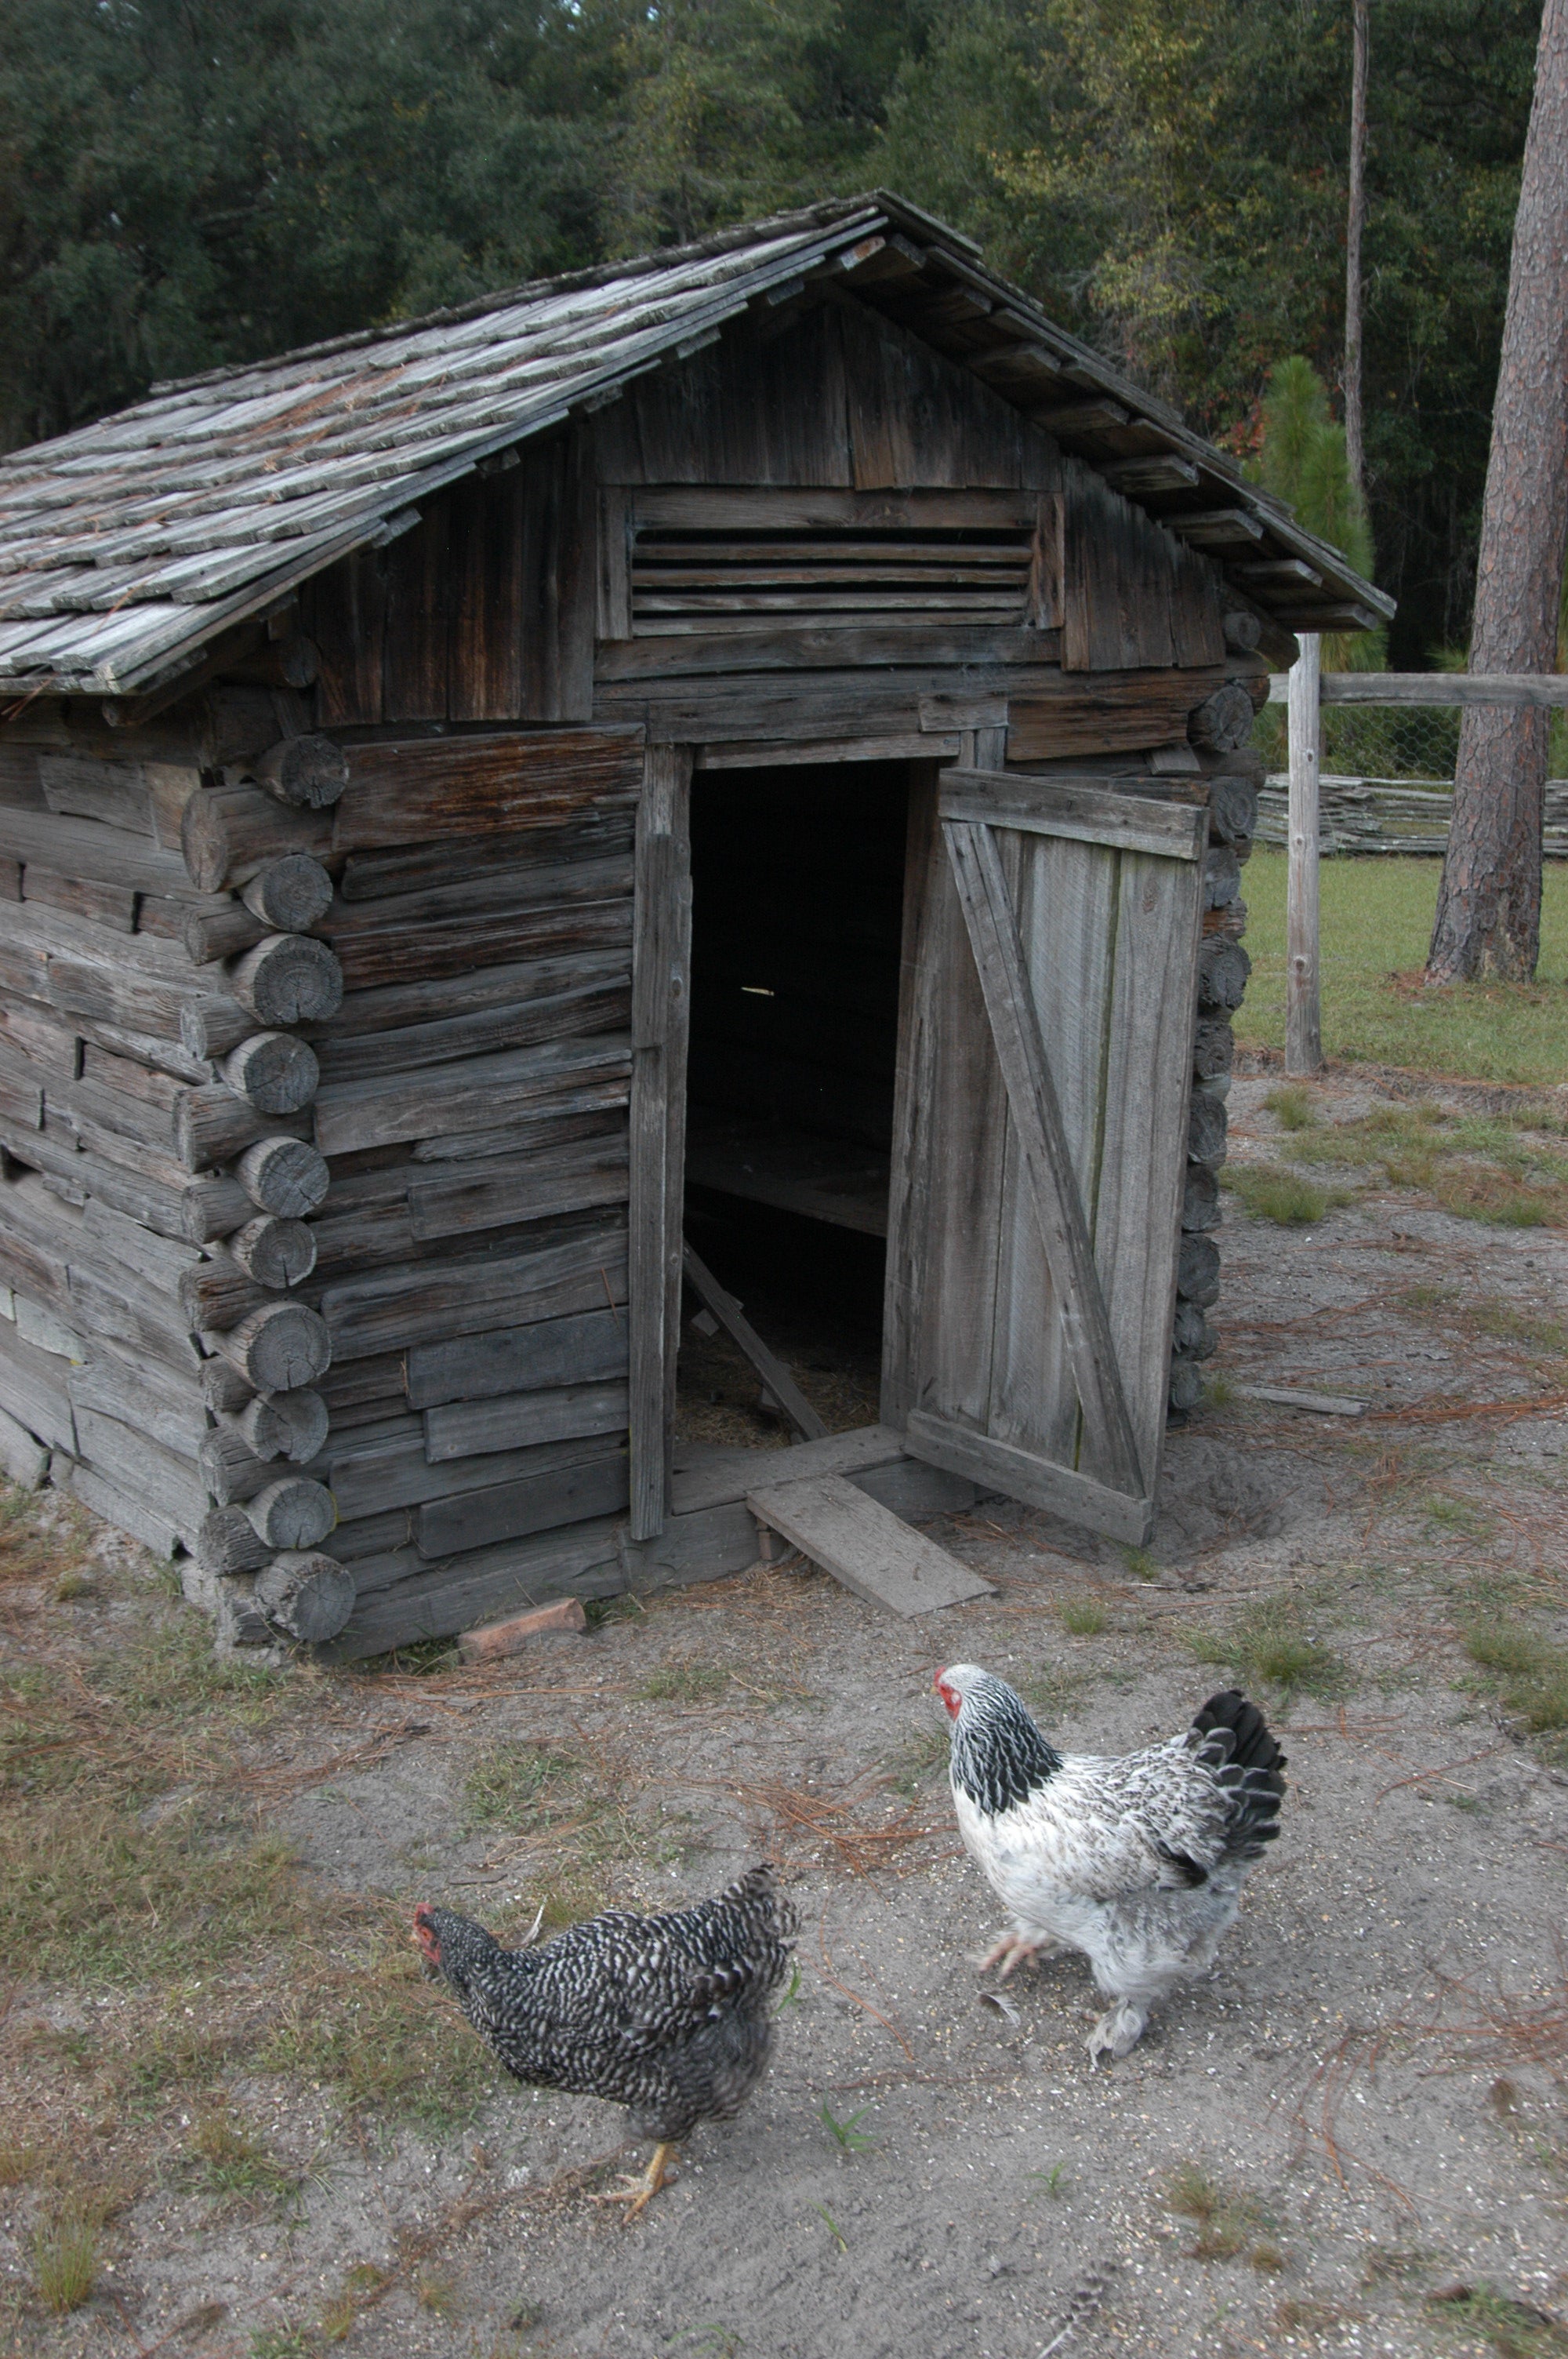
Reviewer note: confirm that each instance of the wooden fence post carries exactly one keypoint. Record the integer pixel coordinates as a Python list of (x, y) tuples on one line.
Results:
[(1303, 1022)]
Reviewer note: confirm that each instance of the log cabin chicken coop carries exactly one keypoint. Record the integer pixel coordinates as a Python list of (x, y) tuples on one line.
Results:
[(491, 808)]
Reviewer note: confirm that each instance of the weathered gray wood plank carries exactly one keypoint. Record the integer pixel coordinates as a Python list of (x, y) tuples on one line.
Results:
[(865, 1546), (1142, 1164), (536, 1503), (1082, 809), (713, 1478), (1024, 1474), (515, 1420), (660, 1021), (588, 1349), (949, 1132)]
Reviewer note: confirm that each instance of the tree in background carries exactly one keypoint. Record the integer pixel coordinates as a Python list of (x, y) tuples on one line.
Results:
[(1489, 902), (1304, 459), (997, 125), (185, 183)]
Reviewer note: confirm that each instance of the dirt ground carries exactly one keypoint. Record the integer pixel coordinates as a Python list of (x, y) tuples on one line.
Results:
[(1353, 2137)]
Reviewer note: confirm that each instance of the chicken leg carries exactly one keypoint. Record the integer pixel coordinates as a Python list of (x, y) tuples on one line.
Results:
[(1015, 1949), (1117, 2032), (638, 2193)]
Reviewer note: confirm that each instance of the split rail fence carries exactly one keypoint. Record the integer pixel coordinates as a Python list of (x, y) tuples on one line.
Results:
[(1368, 763)]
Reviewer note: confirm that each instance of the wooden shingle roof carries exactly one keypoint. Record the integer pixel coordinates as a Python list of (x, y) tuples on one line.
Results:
[(126, 547)]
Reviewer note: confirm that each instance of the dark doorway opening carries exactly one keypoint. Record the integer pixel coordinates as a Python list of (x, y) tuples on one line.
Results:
[(797, 914)]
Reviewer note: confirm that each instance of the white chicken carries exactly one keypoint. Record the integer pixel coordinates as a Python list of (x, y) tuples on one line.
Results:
[(1138, 1863)]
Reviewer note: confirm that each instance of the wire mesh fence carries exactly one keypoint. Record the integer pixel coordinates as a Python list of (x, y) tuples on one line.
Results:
[(1386, 778)]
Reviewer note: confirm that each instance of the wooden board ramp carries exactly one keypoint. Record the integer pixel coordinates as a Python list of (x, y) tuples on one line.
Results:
[(864, 1546)]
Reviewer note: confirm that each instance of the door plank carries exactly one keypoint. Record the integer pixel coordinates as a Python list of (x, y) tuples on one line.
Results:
[(1023, 1475), (1066, 915), (1147, 1064), (864, 1545), (1076, 807), (949, 1133), (1035, 1111)]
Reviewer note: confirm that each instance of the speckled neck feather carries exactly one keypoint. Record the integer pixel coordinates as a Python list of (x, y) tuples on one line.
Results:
[(998, 1755)]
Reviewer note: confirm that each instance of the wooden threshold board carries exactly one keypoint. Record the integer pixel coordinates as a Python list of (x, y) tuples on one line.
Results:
[(709, 1477), (862, 1545)]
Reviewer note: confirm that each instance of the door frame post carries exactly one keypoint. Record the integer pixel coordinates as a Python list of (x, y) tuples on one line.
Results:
[(1303, 1007), (661, 1015)]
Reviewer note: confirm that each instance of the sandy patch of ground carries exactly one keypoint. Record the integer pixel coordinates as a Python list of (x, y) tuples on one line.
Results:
[(1362, 2109)]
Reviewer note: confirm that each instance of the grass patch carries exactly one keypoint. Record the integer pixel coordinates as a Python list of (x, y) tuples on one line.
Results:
[(1376, 924), (578, 1818), (1084, 1617), (684, 1682), (1271, 1646), (1451, 1514), (1140, 1564), (1479, 1167), (1050, 1691), (31, 1547), (1271, 1193), (67, 2255), (1531, 1672), (918, 1758), (226, 2159), (511, 1784), (88, 1893), (1229, 2225), (1292, 1107), (1516, 2330), (845, 2135), (386, 2040)]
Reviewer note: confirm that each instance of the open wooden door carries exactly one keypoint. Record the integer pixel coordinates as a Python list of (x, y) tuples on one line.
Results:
[(1051, 941)]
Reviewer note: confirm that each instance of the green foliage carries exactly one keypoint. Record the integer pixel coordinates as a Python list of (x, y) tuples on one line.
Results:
[(844, 2133), (1171, 179), (187, 183), (1301, 460)]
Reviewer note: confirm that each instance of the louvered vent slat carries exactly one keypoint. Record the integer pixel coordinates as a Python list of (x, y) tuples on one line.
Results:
[(708, 580)]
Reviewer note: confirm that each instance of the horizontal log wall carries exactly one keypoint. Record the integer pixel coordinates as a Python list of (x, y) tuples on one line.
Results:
[(251, 1166)]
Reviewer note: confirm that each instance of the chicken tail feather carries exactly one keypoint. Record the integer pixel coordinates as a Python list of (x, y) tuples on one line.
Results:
[(1232, 1735)]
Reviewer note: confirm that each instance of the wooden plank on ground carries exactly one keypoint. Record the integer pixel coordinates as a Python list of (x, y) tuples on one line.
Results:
[(776, 1377), (864, 1546)]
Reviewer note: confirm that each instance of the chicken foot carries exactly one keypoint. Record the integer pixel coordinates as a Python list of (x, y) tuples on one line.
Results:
[(1016, 1949), (1117, 2032), (638, 2193)]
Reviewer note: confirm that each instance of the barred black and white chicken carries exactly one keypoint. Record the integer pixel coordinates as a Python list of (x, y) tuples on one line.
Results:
[(667, 2015), (1138, 1863)]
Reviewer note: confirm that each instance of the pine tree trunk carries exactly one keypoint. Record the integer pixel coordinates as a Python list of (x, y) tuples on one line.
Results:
[(1355, 224), (1489, 903)]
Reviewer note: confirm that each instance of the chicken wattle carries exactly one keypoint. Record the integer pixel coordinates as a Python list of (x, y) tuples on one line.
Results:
[(1137, 1862)]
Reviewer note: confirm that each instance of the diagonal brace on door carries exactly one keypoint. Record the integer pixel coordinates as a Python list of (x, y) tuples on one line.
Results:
[(1037, 1116)]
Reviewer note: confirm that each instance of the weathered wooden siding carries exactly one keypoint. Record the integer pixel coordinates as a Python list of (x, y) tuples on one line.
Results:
[(485, 609)]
